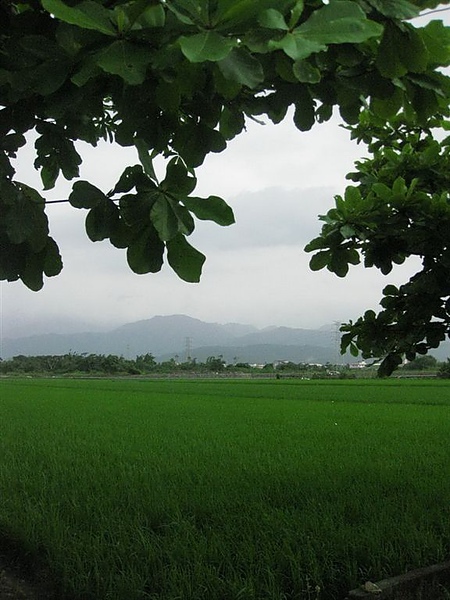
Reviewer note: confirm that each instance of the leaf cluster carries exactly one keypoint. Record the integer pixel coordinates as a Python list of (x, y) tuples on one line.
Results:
[(400, 208), (178, 79)]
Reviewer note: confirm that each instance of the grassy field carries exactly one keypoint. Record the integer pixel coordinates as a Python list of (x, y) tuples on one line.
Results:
[(225, 490)]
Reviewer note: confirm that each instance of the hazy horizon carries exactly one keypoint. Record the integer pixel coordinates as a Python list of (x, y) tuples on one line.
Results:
[(277, 180), (80, 327)]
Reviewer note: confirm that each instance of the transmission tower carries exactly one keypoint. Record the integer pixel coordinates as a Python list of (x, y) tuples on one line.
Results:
[(188, 348), (337, 343)]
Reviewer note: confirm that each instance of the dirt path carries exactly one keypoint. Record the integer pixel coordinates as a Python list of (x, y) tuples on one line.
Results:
[(13, 587), (16, 583)]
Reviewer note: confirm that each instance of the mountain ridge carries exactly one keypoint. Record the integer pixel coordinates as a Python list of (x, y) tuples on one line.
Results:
[(179, 335), (186, 337)]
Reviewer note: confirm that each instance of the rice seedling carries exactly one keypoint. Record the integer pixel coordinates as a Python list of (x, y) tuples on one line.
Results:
[(208, 490)]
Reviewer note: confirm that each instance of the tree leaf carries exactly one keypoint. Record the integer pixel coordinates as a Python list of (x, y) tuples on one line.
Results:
[(425, 103), (338, 263), (320, 260), (395, 9), (135, 208), (436, 37), (389, 61), (55, 152), (413, 51), (88, 70), (152, 16), (187, 11), (296, 46), (85, 195), (131, 178), (387, 108), (87, 15), (49, 76), (352, 256), (304, 116), (12, 258), (101, 220), (400, 51), (231, 13), (170, 218), (212, 208), (382, 191), (272, 19), (315, 244), (168, 96), (350, 112), (185, 260), (399, 187), (163, 218), (25, 220), (186, 223), (145, 158), (232, 122), (39, 46), (242, 67), (128, 60), (389, 364), (390, 290), (347, 231), (145, 253), (12, 142), (177, 180), (194, 141), (32, 274), (52, 261), (305, 72), (204, 46), (354, 349), (340, 22), (121, 234)]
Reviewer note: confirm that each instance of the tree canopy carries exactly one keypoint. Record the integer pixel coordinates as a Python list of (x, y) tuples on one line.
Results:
[(178, 79)]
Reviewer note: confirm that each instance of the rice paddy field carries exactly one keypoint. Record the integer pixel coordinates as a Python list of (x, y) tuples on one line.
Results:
[(224, 490)]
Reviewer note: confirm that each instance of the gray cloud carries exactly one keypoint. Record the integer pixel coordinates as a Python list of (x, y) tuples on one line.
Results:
[(276, 179), (270, 217)]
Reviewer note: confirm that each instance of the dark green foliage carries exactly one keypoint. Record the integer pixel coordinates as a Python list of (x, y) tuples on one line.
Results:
[(399, 208), (177, 79), (215, 363), (77, 363), (444, 370), (421, 363)]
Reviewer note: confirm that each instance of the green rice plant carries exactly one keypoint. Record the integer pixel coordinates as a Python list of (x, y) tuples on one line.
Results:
[(208, 490)]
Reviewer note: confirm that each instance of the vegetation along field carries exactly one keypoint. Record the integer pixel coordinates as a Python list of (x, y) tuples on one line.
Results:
[(225, 490)]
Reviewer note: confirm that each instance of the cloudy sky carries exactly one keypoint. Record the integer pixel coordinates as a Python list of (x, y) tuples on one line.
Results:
[(277, 179)]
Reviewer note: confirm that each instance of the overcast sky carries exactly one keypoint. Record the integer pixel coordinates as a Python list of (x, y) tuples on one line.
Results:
[(277, 179)]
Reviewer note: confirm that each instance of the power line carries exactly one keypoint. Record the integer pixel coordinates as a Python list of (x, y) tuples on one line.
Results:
[(65, 201), (436, 10)]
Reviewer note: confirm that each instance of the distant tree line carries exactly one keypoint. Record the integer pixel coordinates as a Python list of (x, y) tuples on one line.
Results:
[(144, 364), (101, 364), (78, 363), (428, 363), (110, 364)]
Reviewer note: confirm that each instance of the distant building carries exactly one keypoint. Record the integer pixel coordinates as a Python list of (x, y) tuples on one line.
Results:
[(359, 365)]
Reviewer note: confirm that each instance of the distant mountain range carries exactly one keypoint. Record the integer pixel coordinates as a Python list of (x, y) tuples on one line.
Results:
[(180, 337)]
